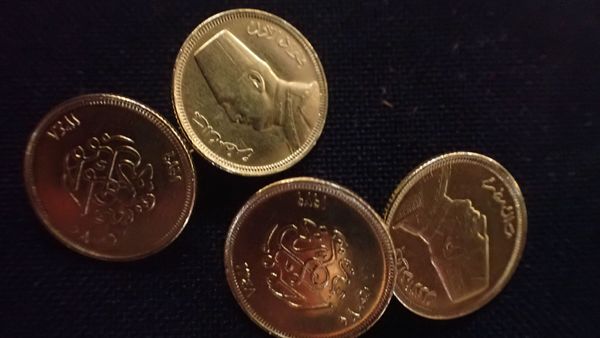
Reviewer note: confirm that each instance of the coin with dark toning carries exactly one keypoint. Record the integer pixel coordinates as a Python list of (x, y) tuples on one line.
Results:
[(458, 223), (109, 177), (308, 258), (249, 92)]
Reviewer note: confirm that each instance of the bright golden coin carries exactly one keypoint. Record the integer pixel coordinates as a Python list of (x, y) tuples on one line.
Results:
[(308, 258), (458, 223), (109, 177), (249, 92)]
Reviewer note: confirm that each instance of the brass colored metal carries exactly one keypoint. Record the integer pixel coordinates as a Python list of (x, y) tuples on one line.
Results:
[(109, 177), (249, 92), (308, 258), (458, 223)]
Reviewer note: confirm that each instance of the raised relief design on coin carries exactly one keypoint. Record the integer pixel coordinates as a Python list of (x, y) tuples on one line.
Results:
[(249, 92), (109, 177), (323, 266), (280, 39), (307, 264), (173, 165), (231, 149), (507, 209), (242, 273), (460, 220), (354, 311), (109, 182), (61, 127), (417, 291), (455, 233)]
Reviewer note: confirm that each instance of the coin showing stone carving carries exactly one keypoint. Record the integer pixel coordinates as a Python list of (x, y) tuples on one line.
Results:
[(308, 258), (458, 223), (249, 92), (109, 177)]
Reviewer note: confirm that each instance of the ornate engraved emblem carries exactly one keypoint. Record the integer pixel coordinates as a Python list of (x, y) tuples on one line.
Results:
[(109, 182), (308, 265)]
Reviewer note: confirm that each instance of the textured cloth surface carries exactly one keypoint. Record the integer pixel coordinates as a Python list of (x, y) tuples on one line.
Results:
[(408, 80)]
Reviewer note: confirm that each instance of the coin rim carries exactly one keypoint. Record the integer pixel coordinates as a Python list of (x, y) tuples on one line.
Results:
[(177, 97), (508, 180), (104, 99), (374, 221)]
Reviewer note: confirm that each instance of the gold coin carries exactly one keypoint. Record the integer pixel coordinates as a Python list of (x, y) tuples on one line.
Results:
[(308, 258), (249, 92), (109, 177), (458, 223)]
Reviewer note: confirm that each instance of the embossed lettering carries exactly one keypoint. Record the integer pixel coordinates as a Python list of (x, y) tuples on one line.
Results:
[(507, 211), (231, 149), (108, 180), (173, 166), (242, 272), (311, 199), (270, 32), (62, 126), (307, 265), (354, 311), (418, 292), (261, 30)]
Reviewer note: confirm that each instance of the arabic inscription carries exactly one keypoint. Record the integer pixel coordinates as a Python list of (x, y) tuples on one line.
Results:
[(108, 180), (270, 32), (307, 265), (214, 137), (507, 211)]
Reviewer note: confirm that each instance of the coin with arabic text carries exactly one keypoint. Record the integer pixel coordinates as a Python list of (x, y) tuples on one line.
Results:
[(249, 92), (459, 224), (109, 177), (308, 258)]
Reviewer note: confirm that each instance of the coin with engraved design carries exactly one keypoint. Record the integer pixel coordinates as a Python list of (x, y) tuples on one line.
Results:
[(249, 92), (308, 258), (458, 223), (109, 177)]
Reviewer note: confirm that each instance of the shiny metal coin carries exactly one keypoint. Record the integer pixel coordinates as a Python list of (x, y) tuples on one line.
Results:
[(109, 177), (249, 92), (308, 258), (458, 223)]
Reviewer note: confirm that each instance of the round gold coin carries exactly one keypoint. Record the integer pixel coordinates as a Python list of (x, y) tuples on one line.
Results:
[(249, 92), (109, 177), (308, 258), (458, 223)]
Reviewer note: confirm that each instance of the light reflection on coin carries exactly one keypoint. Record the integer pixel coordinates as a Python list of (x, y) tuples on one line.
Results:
[(308, 258), (459, 224), (249, 92), (109, 177)]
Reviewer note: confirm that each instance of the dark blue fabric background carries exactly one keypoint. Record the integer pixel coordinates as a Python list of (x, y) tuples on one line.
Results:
[(407, 80)]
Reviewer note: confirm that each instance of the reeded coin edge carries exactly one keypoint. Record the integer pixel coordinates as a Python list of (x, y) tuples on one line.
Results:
[(515, 191), (102, 99), (187, 49), (373, 219)]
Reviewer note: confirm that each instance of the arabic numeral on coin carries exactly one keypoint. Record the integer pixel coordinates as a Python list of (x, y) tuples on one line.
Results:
[(354, 312), (173, 166), (242, 271), (62, 126), (312, 200)]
